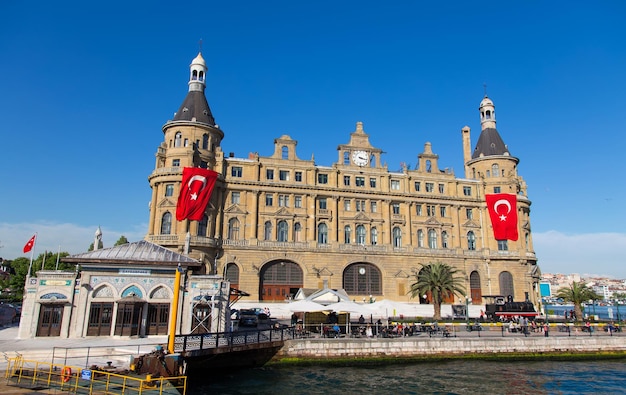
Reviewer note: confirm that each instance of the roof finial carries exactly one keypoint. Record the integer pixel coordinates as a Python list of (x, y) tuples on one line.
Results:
[(200, 45), (485, 88)]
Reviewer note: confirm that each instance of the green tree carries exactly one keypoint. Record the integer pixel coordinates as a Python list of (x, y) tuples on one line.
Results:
[(577, 293), (121, 240), (439, 280)]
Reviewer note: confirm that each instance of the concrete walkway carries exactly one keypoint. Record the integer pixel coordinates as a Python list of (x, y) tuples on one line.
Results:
[(81, 352)]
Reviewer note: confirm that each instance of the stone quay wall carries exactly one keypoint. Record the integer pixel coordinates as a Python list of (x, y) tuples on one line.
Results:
[(411, 347)]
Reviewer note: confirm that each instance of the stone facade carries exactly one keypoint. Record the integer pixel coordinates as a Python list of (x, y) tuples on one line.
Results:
[(279, 223)]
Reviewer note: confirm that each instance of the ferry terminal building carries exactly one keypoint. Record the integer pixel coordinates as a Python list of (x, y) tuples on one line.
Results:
[(276, 224)]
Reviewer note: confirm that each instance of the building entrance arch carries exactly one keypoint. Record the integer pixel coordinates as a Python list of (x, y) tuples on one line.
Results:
[(280, 280)]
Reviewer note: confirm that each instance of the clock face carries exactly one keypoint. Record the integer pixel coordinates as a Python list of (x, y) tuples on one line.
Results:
[(360, 158)]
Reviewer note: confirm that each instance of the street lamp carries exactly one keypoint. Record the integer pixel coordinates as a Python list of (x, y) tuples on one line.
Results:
[(468, 300)]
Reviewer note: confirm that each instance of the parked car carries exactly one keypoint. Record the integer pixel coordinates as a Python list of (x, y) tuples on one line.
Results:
[(248, 318)]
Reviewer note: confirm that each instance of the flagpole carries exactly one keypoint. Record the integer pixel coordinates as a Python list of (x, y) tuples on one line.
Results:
[(32, 253), (58, 254)]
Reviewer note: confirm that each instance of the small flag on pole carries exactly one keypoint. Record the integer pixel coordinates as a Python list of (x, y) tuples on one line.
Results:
[(30, 244)]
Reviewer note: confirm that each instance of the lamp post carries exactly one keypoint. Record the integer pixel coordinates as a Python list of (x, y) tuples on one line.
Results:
[(468, 300)]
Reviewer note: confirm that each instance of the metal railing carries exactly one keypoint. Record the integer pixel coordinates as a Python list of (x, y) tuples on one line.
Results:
[(206, 341), (32, 374)]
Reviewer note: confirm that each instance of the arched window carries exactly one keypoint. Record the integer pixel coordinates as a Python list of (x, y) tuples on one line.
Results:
[(444, 239), (471, 241), (194, 75), (267, 230), (166, 223), (420, 238), (347, 234), (283, 231), (322, 233), (177, 139), (432, 238), (397, 237), (360, 234), (201, 75), (362, 278), (374, 236), (205, 141), (495, 170), (429, 166), (232, 273), (346, 158), (202, 226), (233, 229), (506, 285), (297, 232), (285, 152), (475, 289)]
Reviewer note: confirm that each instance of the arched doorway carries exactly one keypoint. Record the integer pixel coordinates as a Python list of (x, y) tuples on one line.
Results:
[(475, 290), (506, 285), (362, 278), (232, 275), (280, 280)]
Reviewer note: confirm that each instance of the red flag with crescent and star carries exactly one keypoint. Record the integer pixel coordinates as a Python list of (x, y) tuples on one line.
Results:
[(31, 243), (195, 193), (503, 213)]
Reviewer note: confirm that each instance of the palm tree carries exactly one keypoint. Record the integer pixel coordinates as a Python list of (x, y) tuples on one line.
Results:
[(577, 293), (439, 280)]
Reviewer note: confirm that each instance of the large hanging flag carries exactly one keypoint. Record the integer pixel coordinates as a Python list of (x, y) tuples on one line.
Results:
[(503, 213), (195, 193), (30, 244)]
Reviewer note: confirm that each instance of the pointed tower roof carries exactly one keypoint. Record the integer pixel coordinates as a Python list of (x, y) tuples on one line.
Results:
[(195, 107), (489, 143)]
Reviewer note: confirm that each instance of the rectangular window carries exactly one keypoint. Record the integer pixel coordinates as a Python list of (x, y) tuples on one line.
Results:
[(346, 204), (430, 210), (269, 200), (418, 209), (442, 211), (503, 245), (360, 205), (418, 185), (469, 213), (496, 189), (395, 207), (169, 190), (467, 191), (234, 198), (346, 181), (373, 207), (283, 200), (283, 175), (297, 203), (299, 176), (372, 183), (430, 187), (395, 185), (236, 171), (176, 162), (269, 174), (322, 203), (441, 188), (359, 181), (322, 178)]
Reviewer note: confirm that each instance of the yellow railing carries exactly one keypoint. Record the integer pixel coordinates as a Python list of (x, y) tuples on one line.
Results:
[(78, 380)]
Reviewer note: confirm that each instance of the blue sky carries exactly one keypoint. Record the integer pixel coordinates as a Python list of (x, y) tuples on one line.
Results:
[(85, 88)]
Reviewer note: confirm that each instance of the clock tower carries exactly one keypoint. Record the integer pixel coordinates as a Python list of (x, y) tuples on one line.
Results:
[(359, 152)]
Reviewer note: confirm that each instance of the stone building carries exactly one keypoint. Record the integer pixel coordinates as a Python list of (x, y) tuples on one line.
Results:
[(124, 291), (279, 223)]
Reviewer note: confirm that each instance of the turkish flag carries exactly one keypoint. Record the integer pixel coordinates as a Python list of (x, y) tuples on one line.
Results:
[(30, 244), (503, 213), (195, 193)]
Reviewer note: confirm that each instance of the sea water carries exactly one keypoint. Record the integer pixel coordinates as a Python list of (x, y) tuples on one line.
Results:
[(442, 377)]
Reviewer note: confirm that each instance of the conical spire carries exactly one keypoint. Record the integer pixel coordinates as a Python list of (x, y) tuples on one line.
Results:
[(489, 143), (195, 107)]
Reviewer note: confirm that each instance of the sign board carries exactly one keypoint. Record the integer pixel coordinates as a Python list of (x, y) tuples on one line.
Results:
[(85, 374)]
